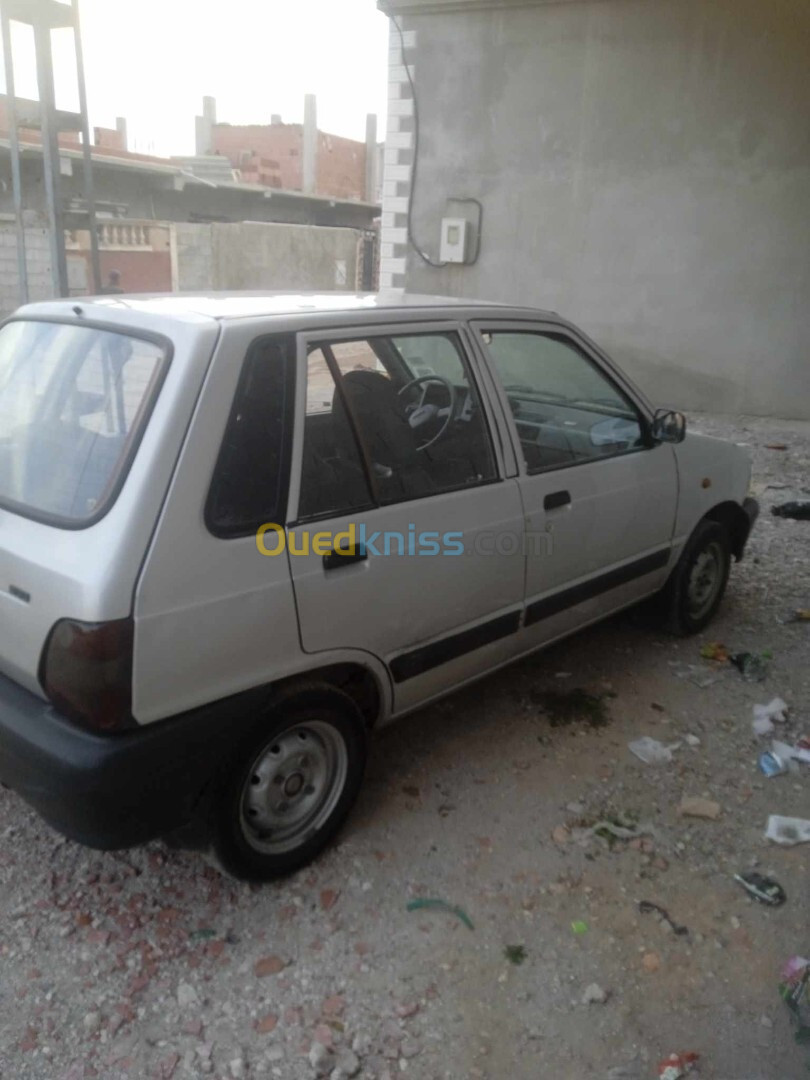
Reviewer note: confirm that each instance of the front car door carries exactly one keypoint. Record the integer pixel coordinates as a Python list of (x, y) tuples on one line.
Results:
[(599, 494), (394, 461)]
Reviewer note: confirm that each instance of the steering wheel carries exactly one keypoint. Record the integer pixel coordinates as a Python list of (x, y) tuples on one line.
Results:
[(422, 413)]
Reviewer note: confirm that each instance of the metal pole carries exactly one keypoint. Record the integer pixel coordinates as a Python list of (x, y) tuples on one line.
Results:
[(14, 142), (50, 153), (89, 188)]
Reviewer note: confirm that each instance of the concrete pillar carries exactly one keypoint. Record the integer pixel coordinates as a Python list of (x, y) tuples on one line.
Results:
[(121, 128), (371, 157), (310, 149), (203, 125)]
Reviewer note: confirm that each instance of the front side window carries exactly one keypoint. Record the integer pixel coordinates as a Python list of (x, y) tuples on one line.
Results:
[(565, 408), (73, 403), (390, 418)]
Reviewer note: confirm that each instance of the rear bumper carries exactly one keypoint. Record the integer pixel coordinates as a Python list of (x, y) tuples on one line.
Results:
[(115, 791)]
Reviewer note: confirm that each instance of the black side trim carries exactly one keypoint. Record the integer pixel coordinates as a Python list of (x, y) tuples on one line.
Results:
[(426, 657), (552, 605)]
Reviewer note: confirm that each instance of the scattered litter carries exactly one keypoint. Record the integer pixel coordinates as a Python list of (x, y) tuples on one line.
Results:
[(696, 806), (772, 764), (762, 725), (793, 991), (789, 754), (677, 1066), (788, 830), (753, 667), (651, 751), (765, 715), (515, 954), (799, 511), (422, 903), (204, 934), (607, 829), (579, 927), (794, 966), (775, 446), (633, 1071), (762, 888), (691, 740), (646, 907), (594, 995), (715, 651), (563, 674), (699, 675), (800, 615), (651, 962)]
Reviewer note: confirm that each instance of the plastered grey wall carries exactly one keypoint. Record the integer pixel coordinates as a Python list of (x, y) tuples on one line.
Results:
[(254, 255), (38, 262), (644, 167)]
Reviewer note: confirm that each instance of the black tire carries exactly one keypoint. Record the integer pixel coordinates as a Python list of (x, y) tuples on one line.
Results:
[(709, 546), (246, 841)]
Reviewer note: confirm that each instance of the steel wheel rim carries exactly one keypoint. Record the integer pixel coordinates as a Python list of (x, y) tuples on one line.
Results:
[(705, 580), (292, 787)]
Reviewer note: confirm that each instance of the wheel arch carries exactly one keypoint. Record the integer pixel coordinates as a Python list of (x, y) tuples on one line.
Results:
[(354, 679), (736, 521)]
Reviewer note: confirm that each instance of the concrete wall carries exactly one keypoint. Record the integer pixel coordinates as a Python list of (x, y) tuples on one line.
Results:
[(253, 255), (644, 167), (38, 261)]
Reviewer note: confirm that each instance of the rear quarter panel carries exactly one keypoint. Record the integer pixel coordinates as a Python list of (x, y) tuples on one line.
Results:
[(212, 615), (90, 574)]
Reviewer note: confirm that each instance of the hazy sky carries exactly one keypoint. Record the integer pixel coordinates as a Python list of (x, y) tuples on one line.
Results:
[(152, 61)]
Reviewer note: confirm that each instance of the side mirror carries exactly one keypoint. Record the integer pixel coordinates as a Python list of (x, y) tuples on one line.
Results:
[(668, 426)]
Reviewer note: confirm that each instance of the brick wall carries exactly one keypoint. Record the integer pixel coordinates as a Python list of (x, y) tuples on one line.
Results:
[(278, 143), (109, 138), (340, 169)]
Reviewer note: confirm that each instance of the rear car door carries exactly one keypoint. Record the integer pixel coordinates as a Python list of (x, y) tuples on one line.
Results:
[(422, 590), (599, 494)]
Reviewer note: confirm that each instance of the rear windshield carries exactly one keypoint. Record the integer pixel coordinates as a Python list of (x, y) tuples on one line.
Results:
[(73, 402)]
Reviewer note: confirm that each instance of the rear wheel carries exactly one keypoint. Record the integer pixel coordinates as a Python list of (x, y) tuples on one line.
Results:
[(697, 585), (292, 786)]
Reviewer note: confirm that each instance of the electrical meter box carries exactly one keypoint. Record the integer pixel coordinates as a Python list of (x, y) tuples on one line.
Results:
[(455, 241)]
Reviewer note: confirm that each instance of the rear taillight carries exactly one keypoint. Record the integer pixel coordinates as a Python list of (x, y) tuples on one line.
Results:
[(87, 672)]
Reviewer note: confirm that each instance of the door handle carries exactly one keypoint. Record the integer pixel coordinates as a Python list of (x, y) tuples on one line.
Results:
[(338, 557), (556, 500)]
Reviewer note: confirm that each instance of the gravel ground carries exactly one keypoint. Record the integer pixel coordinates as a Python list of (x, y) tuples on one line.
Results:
[(148, 963)]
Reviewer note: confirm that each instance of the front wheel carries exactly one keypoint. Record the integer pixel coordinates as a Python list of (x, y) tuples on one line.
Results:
[(697, 585), (292, 786)]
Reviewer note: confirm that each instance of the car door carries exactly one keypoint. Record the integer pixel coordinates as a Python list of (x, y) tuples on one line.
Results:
[(599, 494), (421, 588)]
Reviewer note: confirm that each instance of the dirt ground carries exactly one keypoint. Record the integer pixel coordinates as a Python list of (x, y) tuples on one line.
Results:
[(149, 963)]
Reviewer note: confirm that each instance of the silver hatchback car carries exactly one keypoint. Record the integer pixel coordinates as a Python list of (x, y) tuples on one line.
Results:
[(237, 532)]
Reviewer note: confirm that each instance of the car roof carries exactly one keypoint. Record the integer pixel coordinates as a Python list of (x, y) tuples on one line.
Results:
[(240, 305)]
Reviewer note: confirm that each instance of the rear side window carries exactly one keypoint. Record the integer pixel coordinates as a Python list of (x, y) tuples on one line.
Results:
[(74, 400), (249, 486)]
